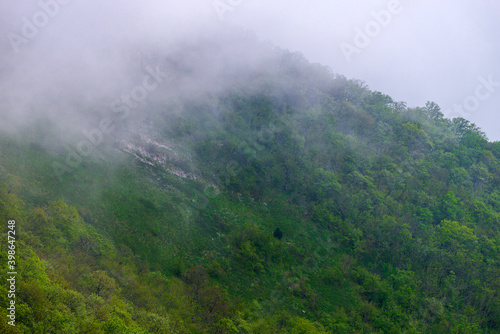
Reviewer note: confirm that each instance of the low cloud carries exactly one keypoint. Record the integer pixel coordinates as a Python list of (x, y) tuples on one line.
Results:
[(89, 52)]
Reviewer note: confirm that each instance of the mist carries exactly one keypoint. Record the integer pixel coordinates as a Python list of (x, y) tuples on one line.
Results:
[(69, 61), (427, 51)]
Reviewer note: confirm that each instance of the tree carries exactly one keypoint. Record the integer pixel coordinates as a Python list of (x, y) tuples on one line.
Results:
[(278, 234), (433, 111), (100, 283)]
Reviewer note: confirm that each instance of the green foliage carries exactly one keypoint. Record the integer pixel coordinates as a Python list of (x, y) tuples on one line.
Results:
[(388, 217), (252, 247), (452, 235)]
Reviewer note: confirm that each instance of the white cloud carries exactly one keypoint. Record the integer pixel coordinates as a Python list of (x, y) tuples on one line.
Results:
[(431, 51)]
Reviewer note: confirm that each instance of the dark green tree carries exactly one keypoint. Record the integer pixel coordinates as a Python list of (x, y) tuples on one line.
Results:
[(277, 233)]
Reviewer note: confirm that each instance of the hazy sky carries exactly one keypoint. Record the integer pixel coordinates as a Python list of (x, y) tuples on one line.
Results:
[(427, 51), (445, 51)]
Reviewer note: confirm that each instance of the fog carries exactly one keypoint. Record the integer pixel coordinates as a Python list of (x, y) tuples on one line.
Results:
[(63, 60), (429, 50)]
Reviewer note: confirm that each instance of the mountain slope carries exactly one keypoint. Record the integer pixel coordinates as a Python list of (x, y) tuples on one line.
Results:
[(389, 214)]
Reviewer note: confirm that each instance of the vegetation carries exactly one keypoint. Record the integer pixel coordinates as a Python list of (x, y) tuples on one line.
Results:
[(317, 206)]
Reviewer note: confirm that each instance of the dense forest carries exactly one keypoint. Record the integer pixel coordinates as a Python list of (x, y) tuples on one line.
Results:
[(294, 200)]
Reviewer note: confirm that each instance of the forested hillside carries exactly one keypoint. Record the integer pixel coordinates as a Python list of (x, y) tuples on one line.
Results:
[(288, 200)]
